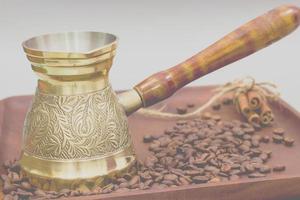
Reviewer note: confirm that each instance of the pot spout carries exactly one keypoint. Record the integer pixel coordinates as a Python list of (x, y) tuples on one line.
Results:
[(130, 100)]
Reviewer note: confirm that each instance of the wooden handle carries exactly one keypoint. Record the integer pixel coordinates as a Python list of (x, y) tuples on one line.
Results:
[(238, 44)]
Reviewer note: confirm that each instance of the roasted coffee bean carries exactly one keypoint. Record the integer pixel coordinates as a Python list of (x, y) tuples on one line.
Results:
[(177, 172), (159, 178), (106, 191), (278, 168), (250, 168), (216, 117), (134, 180), (164, 141), (215, 180), (75, 193), (142, 186), (170, 177), (216, 106), (225, 168), (255, 143), (249, 130), (256, 175), (223, 174), (278, 131), (264, 157), (190, 105), (26, 186), (154, 146), (277, 139), (184, 181), (169, 131), (191, 138), (154, 174), (40, 193), (247, 143), (256, 152), (149, 182), (167, 182), (244, 148), (150, 161), (161, 155), (194, 172), (256, 138), (288, 141), (238, 132), (181, 123), (200, 179), (227, 101), (199, 163), (246, 137), (145, 175), (256, 126), (265, 139), (207, 115), (257, 160), (181, 110), (124, 185), (148, 138), (214, 162), (264, 169), (23, 193), (235, 166), (210, 168), (121, 180)]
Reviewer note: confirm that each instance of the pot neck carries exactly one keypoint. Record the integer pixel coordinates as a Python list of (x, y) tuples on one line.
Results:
[(73, 87)]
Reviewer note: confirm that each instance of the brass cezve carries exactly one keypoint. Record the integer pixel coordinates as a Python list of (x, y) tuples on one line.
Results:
[(76, 131)]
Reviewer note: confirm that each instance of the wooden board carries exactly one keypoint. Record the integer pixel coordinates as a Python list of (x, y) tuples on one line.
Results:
[(275, 186)]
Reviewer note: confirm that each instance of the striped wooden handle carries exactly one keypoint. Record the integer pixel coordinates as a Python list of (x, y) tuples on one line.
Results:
[(238, 44)]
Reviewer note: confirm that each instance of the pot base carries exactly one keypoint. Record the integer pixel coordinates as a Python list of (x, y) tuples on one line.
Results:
[(57, 175)]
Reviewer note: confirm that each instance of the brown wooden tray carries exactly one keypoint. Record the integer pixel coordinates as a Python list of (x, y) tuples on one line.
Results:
[(276, 186)]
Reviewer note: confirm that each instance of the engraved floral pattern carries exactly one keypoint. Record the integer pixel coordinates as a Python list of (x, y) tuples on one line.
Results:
[(75, 127)]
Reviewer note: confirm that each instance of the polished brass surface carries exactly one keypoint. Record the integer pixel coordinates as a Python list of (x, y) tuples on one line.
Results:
[(76, 130), (91, 125), (74, 174)]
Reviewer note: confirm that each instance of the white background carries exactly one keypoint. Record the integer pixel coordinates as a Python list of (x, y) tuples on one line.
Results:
[(153, 35)]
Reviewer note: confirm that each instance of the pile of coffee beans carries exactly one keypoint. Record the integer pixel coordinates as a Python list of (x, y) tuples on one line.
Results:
[(207, 150), (196, 151)]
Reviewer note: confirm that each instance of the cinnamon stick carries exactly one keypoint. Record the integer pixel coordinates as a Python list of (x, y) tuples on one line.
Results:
[(253, 118), (266, 114), (255, 99), (243, 104)]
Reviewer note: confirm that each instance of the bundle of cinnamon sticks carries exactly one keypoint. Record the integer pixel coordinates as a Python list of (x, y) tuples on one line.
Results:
[(254, 107)]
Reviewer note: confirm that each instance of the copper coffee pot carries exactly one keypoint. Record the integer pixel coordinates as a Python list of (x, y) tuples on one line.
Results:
[(76, 131)]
